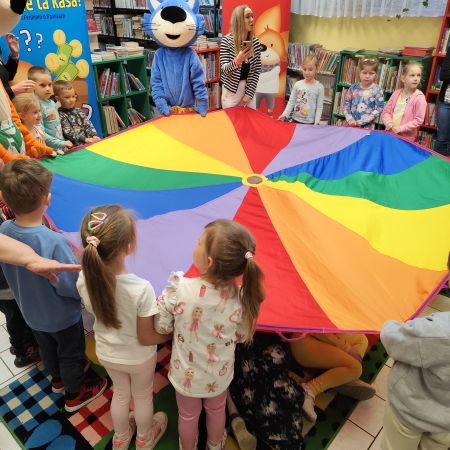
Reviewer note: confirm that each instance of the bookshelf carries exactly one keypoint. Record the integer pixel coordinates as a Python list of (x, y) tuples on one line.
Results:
[(388, 78), (328, 61), (209, 57), (119, 98), (427, 131)]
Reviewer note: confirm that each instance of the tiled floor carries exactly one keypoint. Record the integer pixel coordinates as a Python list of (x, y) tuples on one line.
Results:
[(362, 431)]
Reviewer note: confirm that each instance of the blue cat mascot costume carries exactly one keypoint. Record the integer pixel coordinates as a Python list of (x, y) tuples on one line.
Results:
[(177, 75)]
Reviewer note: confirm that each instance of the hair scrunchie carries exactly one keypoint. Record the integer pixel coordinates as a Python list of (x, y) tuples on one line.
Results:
[(95, 241)]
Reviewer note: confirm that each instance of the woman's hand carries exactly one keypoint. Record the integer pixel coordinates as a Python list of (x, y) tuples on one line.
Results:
[(281, 118), (24, 87), (245, 100), (389, 126), (243, 54), (396, 130), (13, 44)]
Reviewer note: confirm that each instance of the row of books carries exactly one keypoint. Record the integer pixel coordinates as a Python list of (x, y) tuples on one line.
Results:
[(420, 52), (105, 24), (213, 96), (209, 63), (134, 116), (339, 99), (444, 41), (90, 20), (132, 82), (102, 55), (125, 50), (102, 3), (150, 55), (113, 120), (427, 139), (108, 83), (430, 114), (328, 61), (297, 53), (131, 4), (290, 81), (437, 83), (209, 21), (125, 24)]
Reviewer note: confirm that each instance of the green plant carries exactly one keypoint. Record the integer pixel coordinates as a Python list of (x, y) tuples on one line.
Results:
[(404, 10)]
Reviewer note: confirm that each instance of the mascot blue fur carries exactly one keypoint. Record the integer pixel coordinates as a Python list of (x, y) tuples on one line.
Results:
[(177, 75)]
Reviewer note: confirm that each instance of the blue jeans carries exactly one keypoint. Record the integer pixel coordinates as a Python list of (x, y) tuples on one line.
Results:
[(443, 129), (63, 354)]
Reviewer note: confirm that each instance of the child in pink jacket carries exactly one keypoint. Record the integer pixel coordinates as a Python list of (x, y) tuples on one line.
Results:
[(405, 110)]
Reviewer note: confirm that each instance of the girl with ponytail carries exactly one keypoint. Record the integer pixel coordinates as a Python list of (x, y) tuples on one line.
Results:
[(123, 306), (209, 315)]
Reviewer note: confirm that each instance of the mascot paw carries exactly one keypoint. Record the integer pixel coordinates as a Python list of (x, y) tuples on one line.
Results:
[(202, 111)]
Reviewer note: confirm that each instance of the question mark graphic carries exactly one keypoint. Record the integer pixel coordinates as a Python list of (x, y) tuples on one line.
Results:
[(89, 109), (39, 39), (27, 39)]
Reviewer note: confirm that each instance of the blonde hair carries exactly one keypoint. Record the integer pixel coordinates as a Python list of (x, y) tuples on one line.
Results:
[(312, 57), (238, 28), (35, 71), (23, 102), (227, 243), (116, 232), (409, 65), (61, 85), (368, 62)]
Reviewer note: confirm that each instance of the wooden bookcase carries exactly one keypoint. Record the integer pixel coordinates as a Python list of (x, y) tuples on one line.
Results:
[(432, 94), (392, 61), (135, 65)]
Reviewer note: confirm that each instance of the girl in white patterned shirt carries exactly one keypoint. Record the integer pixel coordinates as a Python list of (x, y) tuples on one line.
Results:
[(209, 315)]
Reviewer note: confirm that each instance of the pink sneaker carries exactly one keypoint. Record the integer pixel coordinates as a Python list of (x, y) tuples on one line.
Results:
[(158, 429), (118, 444)]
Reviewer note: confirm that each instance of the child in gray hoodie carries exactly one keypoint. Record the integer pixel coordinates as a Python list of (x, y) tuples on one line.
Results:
[(418, 409)]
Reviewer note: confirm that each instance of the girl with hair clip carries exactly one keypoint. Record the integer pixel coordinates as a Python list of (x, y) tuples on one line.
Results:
[(364, 100), (123, 306), (240, 60), (202, 370), (405, 110)]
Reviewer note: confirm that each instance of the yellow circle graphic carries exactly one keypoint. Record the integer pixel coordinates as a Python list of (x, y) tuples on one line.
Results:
[(77, 48), (254, 180), (59, 37), (52, 62), (83, 67)]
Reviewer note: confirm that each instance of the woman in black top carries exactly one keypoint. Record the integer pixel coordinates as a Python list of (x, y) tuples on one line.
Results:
[(8, 70), (240, 66), (443, 110)]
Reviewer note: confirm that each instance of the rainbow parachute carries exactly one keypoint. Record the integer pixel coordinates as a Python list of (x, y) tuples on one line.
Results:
[(352, 227)]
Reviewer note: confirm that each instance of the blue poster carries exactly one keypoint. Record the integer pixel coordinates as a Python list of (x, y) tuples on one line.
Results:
[(53, 34)]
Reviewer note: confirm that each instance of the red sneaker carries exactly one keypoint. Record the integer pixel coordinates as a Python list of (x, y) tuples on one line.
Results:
[(89, 391), (58, 386)]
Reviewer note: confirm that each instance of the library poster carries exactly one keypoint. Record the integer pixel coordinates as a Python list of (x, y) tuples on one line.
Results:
[(272, 29), (53, 34)]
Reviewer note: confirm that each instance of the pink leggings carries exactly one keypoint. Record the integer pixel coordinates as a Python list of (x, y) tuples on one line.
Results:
[(189, 409), (132, 381)]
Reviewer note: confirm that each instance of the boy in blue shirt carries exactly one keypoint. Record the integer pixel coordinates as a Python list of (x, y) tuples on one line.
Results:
[(52, 310), (50, 123)]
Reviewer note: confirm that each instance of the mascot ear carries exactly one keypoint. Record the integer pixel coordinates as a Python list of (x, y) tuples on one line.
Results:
[(193, 4), (10, 14), (153, 5)]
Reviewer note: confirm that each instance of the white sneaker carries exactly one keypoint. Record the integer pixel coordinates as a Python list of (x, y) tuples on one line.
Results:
[(308, 404), (220, 445)]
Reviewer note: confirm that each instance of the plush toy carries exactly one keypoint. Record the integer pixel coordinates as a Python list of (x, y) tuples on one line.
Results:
[(15, 140), (177, 75)]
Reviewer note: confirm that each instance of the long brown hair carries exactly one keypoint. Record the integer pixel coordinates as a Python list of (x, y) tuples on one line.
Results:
[(227, 243), (238, 28), (114, 227)]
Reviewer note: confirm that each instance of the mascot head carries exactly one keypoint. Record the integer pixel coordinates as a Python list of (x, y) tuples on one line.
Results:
[(10, 14), (173, 23)]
